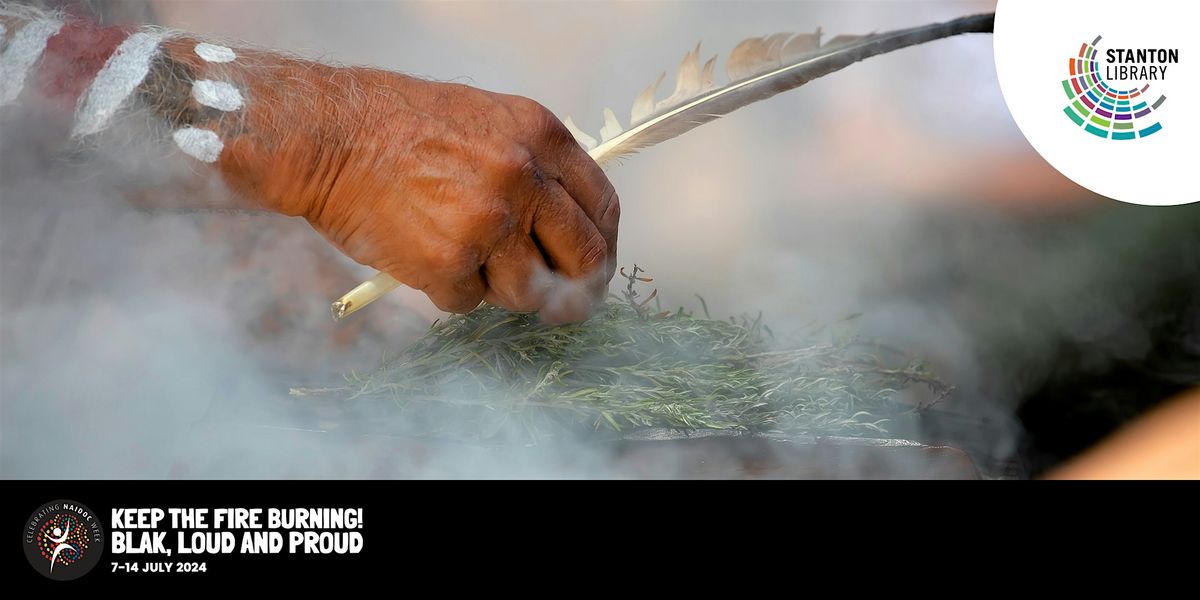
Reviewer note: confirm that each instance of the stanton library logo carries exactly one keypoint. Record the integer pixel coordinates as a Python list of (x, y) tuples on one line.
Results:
[(1109, 90), (63, 540)]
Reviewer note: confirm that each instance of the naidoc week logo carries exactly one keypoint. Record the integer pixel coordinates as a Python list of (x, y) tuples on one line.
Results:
[(63, 540), (1109, 91)]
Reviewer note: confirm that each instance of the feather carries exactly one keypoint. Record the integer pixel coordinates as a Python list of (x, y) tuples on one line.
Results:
[(687, 81), (758, 68), (742, 58), (843, 40), (612, 127), (706, 77), (643, 106), (585, 140), (802, 45)]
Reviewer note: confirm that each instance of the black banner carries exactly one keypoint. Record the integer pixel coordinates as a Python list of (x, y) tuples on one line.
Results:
[(181, 532)]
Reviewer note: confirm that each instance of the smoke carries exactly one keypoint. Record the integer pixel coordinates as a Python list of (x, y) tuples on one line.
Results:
[(148, 344), (125, 327)]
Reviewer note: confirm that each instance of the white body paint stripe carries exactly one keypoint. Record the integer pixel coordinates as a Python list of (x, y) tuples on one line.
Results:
[(200, 144), (123, 72), (22, 53), (217, 94), (214, 53)]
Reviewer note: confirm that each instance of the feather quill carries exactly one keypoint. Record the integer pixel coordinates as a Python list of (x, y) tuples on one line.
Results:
[(758, 68)]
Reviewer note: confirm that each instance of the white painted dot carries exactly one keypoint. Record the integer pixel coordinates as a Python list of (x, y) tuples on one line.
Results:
[(200, 144), (217, 94), (214, 53)]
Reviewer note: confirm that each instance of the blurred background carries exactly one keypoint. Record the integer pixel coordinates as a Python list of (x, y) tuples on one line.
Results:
[(899, 188)]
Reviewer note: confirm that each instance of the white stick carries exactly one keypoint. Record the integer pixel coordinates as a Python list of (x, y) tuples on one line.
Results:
[(366, 293)]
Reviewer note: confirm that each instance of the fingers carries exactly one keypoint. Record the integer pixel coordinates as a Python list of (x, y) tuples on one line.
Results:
[(590, 188), (460, 295), (517, 276), (578, 174), (576, 250), (447, 272)]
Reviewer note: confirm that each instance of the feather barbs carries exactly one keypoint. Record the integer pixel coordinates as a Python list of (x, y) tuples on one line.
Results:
[(757, 68), (749, 58), (584, 139)]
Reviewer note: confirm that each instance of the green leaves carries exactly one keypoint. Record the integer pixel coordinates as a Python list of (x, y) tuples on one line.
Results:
[(492, 373)]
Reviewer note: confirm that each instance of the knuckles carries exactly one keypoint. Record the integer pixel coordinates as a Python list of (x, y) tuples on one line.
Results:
[(511, 159), (531, 114), (594, 254), (519, 301), (610, 209), (457, 305), (540, 125), (454, 262), (496, 219)]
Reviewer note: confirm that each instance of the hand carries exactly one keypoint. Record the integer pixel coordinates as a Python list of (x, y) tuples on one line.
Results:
[(464, 194)]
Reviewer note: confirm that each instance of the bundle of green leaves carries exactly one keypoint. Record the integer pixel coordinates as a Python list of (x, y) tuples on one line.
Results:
[(494, 373)]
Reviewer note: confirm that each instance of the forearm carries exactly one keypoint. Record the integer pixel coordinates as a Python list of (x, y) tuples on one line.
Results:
[(271, 127)]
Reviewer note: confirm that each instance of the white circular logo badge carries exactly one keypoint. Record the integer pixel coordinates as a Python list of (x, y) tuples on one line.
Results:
[(1107, 92)]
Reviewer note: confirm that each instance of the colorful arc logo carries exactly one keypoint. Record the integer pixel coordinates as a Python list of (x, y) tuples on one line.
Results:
[(1103, 110)]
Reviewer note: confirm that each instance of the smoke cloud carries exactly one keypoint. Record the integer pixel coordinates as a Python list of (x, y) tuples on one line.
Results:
[(149, 344)]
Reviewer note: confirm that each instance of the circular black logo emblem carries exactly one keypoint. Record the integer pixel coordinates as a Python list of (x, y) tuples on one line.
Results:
[(63, 539)]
